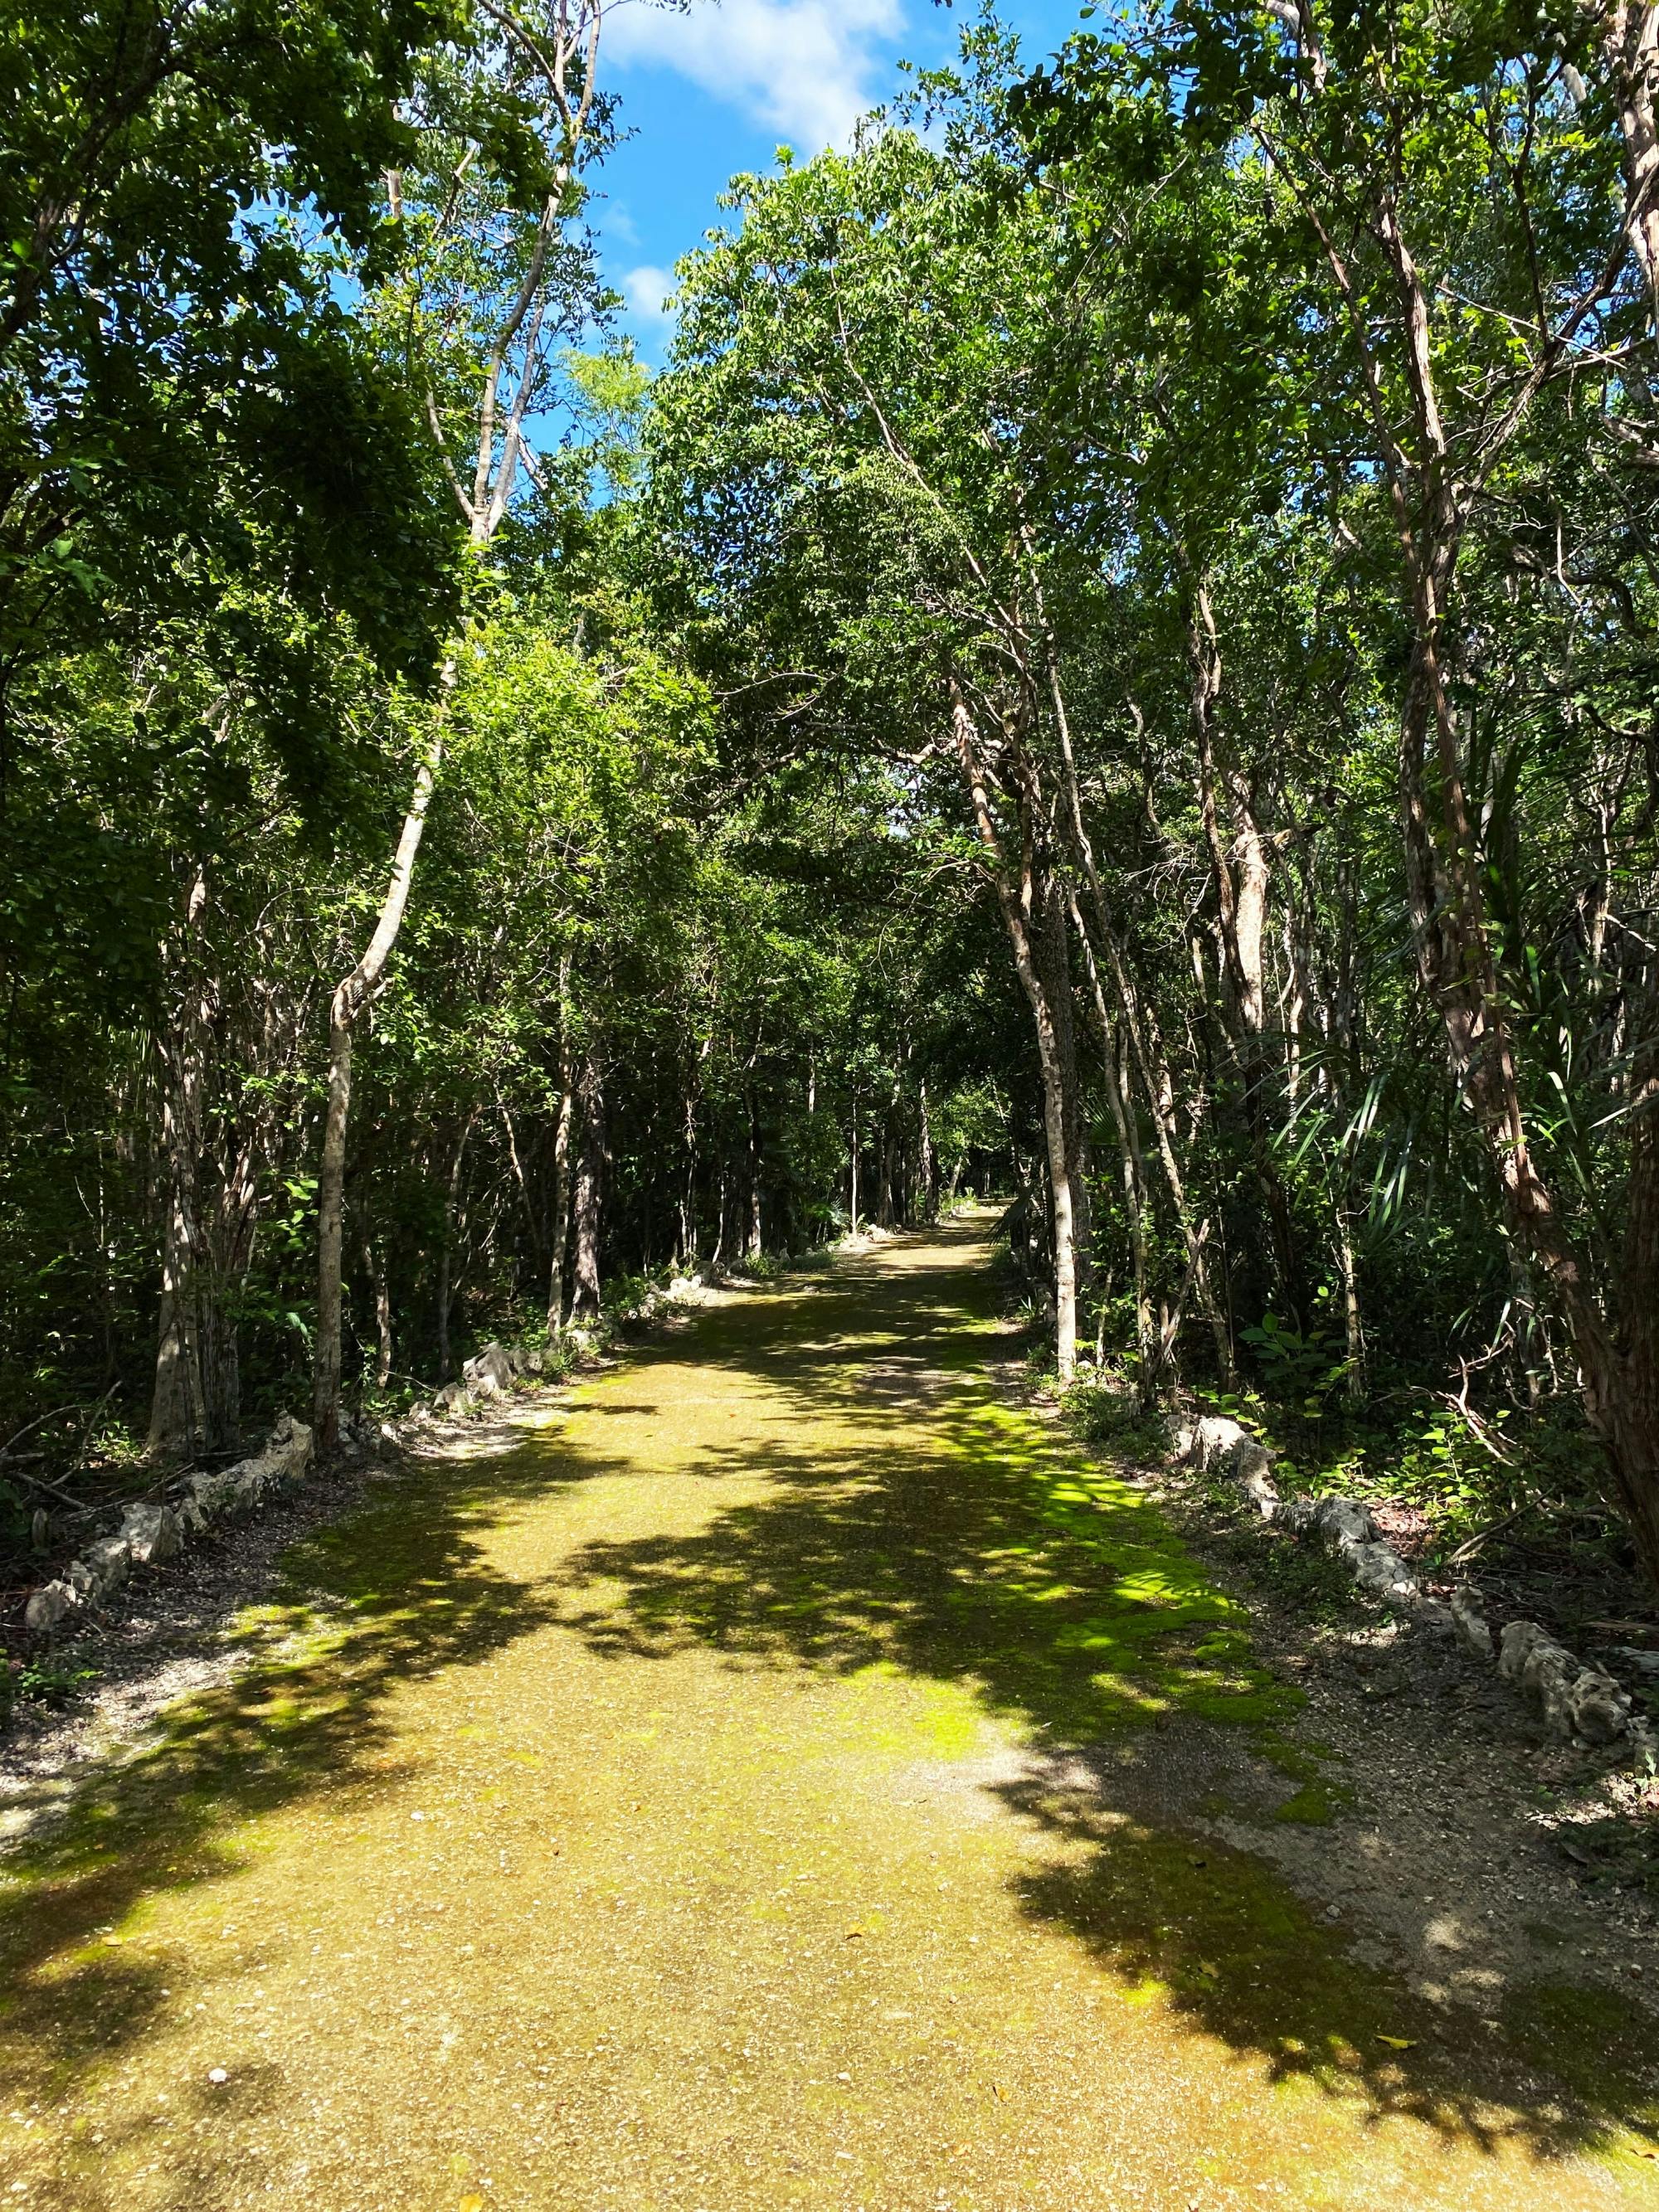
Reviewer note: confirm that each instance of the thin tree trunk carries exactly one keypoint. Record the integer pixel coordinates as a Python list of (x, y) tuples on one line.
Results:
[(177, 1420), (1631, 40), (590, 1178), (854, 1207), (531, 1224), (354, 991), (446, 1249), (1016, 903), (1155, 1080), (928, 1164), (1129, 1156), (753, 1241), (379, 1286), (561, 1237), (1354, 1332)]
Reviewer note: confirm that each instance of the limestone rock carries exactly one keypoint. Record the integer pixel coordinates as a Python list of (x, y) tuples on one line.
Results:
[(1380, 1568), (1515, 1646), (1571, 1700), (241, 1488), (1597, 1708), (109, 1559), (491, 1372), (153, 1533), (1252, 1469), (210, 1493), (1548, 1674), (47, 1608), (1215, 1441), (1469, 1624), (1339, 1521)]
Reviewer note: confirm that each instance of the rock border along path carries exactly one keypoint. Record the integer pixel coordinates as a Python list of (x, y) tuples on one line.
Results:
[(1575, 1703)]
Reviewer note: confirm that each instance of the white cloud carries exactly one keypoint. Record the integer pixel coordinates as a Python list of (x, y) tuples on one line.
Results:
[(802, 67), (646, 291)]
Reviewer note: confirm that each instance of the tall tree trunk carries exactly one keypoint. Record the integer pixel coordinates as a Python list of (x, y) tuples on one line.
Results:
[(687, 1256), (1630, 30), (1618, 1366), (561, 1237), (590, 1197), (1240, 871), (852, 1203), (1146, 1053), (446, 1248), (753, 1241), (374, 1269), (1352, 1328), (178, 1417), (1052, 945), (354, 991), (1147, 1348), (1018, 899), (927, 1161)]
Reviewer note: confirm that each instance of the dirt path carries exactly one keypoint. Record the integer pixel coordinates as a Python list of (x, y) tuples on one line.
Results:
[(771, 1782)]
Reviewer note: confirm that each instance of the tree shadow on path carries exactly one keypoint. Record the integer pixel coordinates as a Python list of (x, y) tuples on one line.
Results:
[(910, 1519), (398, 1591)]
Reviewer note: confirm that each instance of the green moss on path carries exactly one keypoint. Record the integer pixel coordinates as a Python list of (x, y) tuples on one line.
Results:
[(770, 1781)]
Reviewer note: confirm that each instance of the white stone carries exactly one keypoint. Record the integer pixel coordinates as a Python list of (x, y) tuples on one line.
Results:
[(1597, 1708), (1547, 1676), (47, 1608), (1469, 1624), (1341, 1521), (153, 1533), (1217, 1439), (109, 1559), (1252, 1468), (1379, 1569), (1514, 1647), (491, 1372)]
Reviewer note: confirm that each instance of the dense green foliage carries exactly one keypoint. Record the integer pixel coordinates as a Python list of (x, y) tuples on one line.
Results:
[(1118, 662)]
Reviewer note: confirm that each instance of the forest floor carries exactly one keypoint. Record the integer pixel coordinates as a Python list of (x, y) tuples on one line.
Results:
[(779, 1772)]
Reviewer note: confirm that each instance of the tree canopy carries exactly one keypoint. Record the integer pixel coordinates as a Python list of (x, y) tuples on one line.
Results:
[(1115, 665)]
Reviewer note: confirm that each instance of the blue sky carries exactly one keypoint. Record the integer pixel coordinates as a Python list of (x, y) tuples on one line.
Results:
[(716, 88)]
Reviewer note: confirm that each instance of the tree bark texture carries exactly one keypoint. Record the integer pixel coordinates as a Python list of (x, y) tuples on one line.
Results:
[(1019, 898), (354, 991), (590, 1196)]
